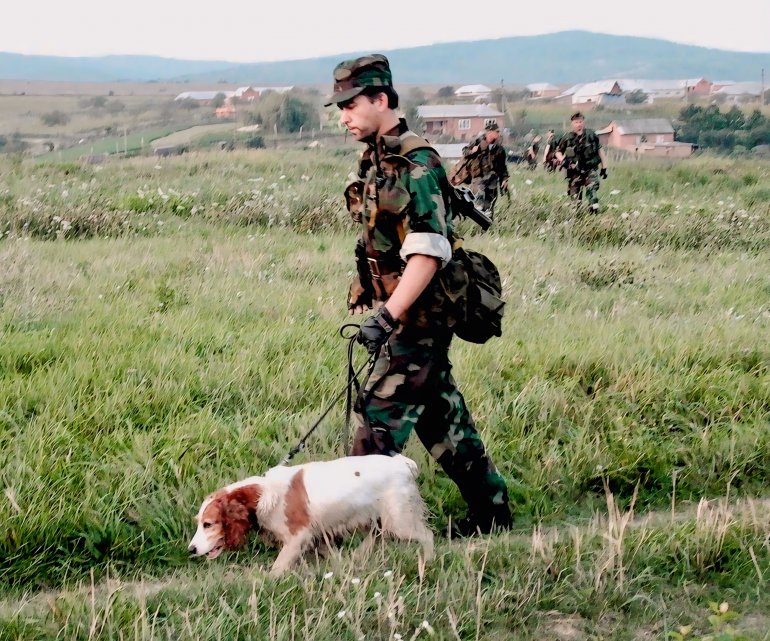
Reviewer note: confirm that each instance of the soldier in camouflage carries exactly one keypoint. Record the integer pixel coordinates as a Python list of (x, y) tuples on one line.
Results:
[(400, 197), (583, 157), (485, 167)]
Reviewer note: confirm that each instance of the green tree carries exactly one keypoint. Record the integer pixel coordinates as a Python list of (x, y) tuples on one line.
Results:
[(636, 97), (218, 100), (446, 92)]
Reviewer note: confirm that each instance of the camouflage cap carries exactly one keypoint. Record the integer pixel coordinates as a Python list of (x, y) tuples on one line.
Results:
[(492, 126), (351, 77)]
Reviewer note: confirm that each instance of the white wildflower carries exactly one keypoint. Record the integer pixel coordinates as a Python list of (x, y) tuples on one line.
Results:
[(377, 596), (428, 628), (341, 614), (355, 580), (328, 575), (614, 192), (527, 182), (388, 573)]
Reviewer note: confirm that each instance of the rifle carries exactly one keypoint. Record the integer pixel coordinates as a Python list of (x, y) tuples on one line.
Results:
[(464, 204)]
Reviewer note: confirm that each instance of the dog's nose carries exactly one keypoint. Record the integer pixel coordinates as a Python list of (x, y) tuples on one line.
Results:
[(192, 549)]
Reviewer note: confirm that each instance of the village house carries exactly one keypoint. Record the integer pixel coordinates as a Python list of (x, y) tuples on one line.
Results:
[(476, 92), (541, 90), (205, 97), (226, 110), (602, 92), (249, 94), (740, 92), (648, 136), (459, 122), (697, 86)]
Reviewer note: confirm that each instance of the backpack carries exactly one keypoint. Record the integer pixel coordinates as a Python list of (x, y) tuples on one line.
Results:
[(479, 311), (476, 292)]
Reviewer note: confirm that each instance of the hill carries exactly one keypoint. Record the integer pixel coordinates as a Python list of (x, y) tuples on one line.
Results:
[(564, 57)]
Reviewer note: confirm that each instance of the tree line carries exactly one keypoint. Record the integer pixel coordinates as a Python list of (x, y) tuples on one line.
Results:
[(729, 131)]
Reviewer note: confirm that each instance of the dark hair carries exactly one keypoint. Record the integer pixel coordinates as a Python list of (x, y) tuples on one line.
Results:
[(371, 92), (577, 116)]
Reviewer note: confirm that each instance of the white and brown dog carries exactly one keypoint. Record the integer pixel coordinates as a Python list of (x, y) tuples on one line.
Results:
[(300, 505)]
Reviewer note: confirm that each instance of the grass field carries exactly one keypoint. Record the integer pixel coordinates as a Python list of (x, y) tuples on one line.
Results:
[(169, 326), (186, 136)]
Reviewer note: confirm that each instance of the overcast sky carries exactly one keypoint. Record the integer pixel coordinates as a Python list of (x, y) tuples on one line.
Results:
[(260, 30)]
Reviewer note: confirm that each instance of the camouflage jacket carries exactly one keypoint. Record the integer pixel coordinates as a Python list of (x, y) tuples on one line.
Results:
[(586, 148), (483, 159), (403, 208)]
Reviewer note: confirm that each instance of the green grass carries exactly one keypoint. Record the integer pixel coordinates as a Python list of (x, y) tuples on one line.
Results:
[(131, 143), (179, 332)]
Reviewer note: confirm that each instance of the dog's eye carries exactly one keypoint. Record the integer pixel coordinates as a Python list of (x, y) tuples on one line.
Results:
[(206, 525)]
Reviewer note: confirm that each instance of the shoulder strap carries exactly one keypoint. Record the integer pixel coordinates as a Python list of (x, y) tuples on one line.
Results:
[(410, 142)]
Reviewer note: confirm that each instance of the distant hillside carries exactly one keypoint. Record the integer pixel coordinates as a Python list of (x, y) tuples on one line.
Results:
[(565, 57), (16, 66)]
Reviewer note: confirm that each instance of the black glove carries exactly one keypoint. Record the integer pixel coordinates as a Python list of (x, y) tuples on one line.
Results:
[(603, 173), (376, 330)]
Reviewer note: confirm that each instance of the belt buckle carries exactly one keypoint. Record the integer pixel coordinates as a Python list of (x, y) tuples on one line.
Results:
[(374, 267)]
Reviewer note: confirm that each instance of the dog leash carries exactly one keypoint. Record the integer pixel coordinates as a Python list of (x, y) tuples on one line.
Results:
[(353, 375)]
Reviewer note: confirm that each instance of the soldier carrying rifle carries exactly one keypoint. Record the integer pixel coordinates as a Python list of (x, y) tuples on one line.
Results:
[(581, 155), (483, 166)]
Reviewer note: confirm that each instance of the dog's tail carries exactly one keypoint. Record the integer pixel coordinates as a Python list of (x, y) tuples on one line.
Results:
[(410, 464)]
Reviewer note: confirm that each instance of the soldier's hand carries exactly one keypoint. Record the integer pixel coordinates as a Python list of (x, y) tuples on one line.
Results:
[(603, 172), (504, 185), (376, 330), (358, 309)]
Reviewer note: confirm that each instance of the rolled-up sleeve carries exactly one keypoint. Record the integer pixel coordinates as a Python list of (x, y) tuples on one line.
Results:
[(427, 244)]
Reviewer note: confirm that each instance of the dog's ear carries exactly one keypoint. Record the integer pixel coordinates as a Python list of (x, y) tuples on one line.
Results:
[(235, 510)]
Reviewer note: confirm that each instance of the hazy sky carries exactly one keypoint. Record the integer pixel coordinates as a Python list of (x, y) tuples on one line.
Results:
[(260, 30)]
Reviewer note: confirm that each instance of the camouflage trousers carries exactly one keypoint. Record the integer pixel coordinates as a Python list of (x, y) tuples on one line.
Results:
[(486, 191), (581, 181), (411, 388)]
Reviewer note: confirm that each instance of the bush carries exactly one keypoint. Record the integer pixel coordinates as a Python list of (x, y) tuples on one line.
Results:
[(255, 142), (54, 118)]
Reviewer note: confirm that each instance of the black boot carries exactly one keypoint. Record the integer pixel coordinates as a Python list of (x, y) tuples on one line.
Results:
[(494, 518)]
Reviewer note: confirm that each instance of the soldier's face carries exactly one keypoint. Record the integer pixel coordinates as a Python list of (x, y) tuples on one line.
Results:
[(492, 137), (578, 125), (362, 115)]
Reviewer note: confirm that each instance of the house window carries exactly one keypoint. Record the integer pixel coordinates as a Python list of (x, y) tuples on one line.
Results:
[(658, 138), (490, 121), (464, 123)]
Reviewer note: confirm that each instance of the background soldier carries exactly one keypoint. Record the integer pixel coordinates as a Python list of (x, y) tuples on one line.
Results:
[(583, 157), (532, 151), (401, 200), (484, 167), (549, 152)]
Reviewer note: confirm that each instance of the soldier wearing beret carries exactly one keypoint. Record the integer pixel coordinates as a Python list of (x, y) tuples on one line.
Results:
[(400, 198)]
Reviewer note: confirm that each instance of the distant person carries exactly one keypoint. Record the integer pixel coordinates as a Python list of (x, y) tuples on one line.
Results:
[(532, 151), (583, 158), (484, 167), (550, 161)]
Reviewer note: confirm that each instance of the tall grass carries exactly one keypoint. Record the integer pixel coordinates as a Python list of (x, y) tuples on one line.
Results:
[(143, 365)]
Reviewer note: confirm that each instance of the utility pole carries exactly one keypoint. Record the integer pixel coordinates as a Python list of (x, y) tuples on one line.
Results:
[(502, 100)]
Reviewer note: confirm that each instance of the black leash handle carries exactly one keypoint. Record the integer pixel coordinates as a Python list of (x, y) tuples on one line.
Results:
[(352, 380)]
